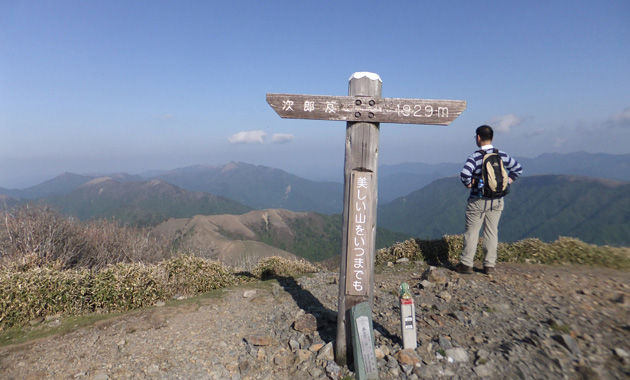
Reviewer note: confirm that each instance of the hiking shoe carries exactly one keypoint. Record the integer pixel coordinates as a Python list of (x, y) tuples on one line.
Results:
[(463, 268), (488, 270)]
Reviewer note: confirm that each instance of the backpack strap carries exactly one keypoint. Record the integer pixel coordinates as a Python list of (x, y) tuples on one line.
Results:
[(493, 150)]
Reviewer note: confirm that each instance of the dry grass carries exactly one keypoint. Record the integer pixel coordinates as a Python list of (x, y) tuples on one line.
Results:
[(41, 291), (37, 236), (276, 266), (563, 250)]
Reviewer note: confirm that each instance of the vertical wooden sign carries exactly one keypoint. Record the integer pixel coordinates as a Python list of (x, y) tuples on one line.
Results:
[(356, 284)]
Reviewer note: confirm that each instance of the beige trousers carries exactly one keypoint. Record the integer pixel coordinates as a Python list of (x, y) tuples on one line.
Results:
[(482, 212)]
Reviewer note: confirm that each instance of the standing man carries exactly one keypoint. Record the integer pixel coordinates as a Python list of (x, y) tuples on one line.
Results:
[(483, 210)]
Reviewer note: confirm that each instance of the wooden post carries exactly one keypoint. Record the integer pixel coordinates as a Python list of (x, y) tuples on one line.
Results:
[(356, 277)]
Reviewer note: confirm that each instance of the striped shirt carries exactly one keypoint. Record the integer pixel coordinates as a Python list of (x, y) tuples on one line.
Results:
[(472, 168)]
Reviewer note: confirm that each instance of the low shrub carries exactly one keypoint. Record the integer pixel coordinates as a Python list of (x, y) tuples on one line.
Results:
[(36, 292), (276, 266), (188, 275), (564, 250), (407, 249), (34, 236)]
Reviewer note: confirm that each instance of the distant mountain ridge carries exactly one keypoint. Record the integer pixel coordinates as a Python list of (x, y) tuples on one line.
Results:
[(260, 187), (401, 179), (546, 206), (236, 188), (139, 203), (257, 187), (597, 165)]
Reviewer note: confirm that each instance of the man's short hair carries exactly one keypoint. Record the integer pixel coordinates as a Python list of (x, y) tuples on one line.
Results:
[(485, 133)]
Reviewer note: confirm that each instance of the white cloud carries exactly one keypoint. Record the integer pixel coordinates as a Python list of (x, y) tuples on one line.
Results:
[(281, 138), (504, 123), (621, 119), (248, 137)]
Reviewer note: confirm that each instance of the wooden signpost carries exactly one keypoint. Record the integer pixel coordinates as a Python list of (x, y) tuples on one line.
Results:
[(363, 109)]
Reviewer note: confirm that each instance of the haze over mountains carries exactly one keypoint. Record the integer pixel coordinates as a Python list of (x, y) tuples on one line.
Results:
[(596, 211), (401, 179), (545, 206)]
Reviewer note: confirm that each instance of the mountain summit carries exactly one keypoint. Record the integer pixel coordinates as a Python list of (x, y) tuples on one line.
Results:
[(260, 187)]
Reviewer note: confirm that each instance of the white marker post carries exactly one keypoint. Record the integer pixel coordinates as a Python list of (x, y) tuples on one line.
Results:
[(407, 318), (363, 110)]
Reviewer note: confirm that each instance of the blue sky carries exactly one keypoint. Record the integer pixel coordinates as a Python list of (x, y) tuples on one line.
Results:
[(110, 86)]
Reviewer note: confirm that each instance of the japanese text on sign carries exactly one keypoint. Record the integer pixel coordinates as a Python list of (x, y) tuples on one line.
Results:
[(366, 342), (401, 110), (311, 106), (359, 234)]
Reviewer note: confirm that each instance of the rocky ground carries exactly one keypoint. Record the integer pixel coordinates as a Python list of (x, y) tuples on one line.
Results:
[(525, 321)]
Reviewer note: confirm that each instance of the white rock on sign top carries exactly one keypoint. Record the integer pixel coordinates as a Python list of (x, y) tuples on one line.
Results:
[(361, 74)]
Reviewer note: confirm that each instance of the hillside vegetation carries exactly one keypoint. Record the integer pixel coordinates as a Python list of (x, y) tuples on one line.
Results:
[(41, 273), (447, 250), (544, 207), (273, 232), (34, 236)]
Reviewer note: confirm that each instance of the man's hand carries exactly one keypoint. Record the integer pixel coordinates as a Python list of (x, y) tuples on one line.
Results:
[(510, 180), (469, 185)]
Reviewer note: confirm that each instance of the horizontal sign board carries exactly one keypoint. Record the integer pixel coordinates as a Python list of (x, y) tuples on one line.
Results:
[(366, 109)]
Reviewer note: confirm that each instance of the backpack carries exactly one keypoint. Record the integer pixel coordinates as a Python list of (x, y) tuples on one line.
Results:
[(494, 175)]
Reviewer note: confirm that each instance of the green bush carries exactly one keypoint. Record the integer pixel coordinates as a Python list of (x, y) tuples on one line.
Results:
[(26, 295), (276, 266), (126, 287), (36, 292), (189, 275)]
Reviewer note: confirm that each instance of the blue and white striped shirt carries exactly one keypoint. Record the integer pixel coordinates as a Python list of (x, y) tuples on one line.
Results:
[(472, 167)]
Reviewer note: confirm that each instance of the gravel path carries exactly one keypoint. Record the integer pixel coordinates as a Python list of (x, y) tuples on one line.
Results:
[(526, 321)]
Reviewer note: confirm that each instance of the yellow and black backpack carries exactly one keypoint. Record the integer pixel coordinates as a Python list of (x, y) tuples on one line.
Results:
[(494, 175)]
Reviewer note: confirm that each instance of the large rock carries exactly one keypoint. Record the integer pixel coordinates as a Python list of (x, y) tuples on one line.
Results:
[(306, 323), (483, 370), (303, 355), (444, 342), (435, 275), (568, 342), (407, 357), (458, 354), (259, 340), (326, 352), (315, 347), (333, 370)]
